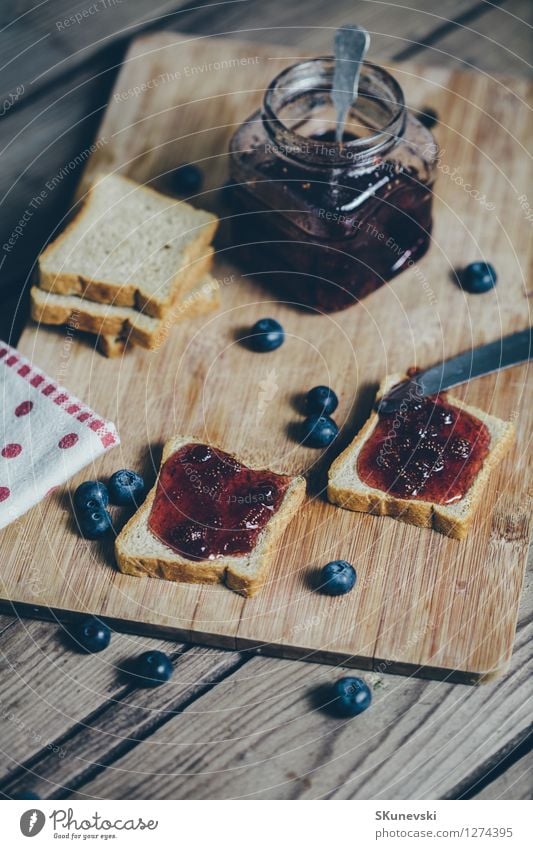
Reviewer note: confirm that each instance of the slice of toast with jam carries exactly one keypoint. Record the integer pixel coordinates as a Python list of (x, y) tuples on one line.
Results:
[(210, 518), (427, 464)]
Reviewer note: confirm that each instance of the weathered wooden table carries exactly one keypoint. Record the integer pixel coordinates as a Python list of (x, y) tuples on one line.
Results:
[(230, 724)]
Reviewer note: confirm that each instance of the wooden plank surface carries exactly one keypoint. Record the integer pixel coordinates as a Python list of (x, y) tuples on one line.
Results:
[(102, 705), (66, 687), (91, 743), (265, 732), (41, 43), (43, 140), (423, 600), (515, 783), (391, 30), (501, 36)]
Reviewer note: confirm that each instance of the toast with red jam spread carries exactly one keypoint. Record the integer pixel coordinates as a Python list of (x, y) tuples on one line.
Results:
[(210, 518), (427, 464)]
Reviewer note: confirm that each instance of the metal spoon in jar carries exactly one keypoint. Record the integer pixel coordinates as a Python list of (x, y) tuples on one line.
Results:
[(351, 45)]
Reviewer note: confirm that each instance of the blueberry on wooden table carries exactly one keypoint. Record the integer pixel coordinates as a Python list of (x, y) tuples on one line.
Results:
[(337, 577), (478, 277), (94, 524), (428, 117), (319, 431), (126, 488), (267, 334), (352, 696), (91, 495), (187, 179), (152, 669), (321, 400), (90, 634)]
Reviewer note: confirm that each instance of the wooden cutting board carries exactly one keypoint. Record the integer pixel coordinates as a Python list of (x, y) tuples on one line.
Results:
[(423, 604)]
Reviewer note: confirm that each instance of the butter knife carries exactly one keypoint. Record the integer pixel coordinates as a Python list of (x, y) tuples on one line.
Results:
[(503, 353)]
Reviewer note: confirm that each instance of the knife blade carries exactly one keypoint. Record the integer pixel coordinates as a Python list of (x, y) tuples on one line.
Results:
[(501, 354)]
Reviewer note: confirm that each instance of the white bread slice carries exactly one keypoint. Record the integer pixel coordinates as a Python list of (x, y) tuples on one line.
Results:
[(123, 322), (346, 488), (127, 246), (202, 300), (140, 553)]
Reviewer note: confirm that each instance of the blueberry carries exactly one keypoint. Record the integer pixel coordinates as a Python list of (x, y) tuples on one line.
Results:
[(337, 577), (267, 334), (126, 488), (95, 524), (90, 634), (154, 668), (478, 277), (91, 495), (352, 696), (428, 117), (319, 431), (322, 401), (187, 179)]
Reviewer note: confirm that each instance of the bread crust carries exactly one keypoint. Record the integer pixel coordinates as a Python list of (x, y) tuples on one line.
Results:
[(423, 514), (114, 325), (175, 568), (112, 346), (125, 294), (117, 345)]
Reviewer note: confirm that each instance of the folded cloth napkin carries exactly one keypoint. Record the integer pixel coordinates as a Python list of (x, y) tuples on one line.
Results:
[(46, 435)]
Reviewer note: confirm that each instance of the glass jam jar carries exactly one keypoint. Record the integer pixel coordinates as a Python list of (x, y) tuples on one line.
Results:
[(332, 221)]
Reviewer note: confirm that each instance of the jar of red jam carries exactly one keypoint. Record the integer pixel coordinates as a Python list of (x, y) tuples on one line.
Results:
[(331, 221)]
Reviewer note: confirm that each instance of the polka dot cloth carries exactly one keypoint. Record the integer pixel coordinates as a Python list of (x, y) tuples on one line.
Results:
[(46, 435), (13, 449)]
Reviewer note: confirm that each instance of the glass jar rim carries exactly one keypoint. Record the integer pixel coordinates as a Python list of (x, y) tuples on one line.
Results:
[(319, 152)]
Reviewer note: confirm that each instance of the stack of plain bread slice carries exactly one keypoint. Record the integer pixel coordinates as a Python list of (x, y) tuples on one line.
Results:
[(130, 264)]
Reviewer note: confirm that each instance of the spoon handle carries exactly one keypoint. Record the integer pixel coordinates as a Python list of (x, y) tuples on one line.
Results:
[(351, 44)]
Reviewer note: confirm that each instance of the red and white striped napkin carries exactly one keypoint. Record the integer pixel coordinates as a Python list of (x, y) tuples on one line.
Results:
[(46, 435)]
